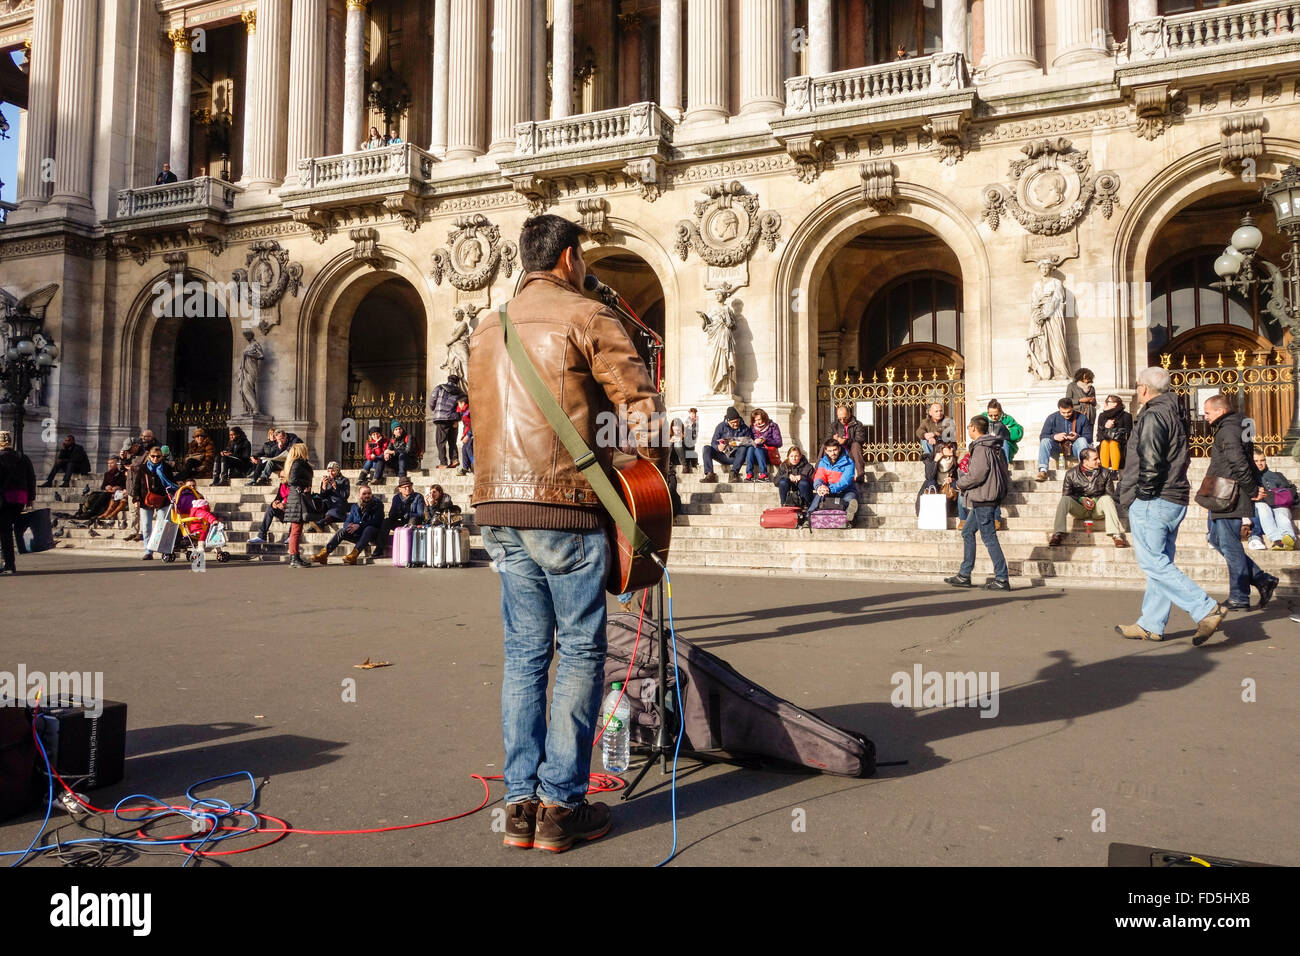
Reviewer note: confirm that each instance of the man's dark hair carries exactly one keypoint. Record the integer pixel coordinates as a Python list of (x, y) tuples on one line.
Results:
[(280, 432), (543, 240), (1064, 404), (980, 423), (1084, 375), (830, 443), (1089, 453)]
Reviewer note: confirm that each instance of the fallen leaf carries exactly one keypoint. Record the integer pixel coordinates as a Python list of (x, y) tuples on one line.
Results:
[(367, 664)]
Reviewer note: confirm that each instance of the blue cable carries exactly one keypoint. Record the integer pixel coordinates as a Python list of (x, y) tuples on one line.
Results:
[(49, 795), (681, 714)]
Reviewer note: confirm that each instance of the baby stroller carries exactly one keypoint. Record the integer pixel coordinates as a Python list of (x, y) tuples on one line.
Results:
[(192, 525)]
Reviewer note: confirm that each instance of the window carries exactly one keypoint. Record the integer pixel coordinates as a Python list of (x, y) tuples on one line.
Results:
[(921, 308), (1182, 300), (914, 25), (1170, 7)]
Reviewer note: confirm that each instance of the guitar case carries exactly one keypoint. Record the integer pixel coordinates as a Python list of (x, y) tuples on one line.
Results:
[(727, 717)]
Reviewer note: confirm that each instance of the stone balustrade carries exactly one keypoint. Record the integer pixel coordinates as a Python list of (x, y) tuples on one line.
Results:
[(869, 85), (201, 194), (386, 162), (1217, 30), (637, 123)]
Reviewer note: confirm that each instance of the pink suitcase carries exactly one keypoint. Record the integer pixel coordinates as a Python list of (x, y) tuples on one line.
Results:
[(401, 550)]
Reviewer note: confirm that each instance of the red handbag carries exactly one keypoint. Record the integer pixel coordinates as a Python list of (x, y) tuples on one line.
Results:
[(154, 500), (773, 455), (787, 517)]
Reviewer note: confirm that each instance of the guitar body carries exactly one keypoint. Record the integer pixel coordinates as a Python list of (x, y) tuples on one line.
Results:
[(644, 491)]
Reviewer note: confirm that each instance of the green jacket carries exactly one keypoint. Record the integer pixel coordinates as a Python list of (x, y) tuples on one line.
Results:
[(1008, 430)]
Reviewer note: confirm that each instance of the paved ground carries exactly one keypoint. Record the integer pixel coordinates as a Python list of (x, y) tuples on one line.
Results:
[(242, 668)]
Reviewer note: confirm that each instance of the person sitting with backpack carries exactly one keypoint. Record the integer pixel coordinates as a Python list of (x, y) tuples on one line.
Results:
[(794, 479), (984, 486), (835, 476)]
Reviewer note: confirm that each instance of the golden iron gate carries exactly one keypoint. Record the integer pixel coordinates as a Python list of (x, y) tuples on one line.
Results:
[(1261, 385), (891, 410), (384, 411), (184, 417)]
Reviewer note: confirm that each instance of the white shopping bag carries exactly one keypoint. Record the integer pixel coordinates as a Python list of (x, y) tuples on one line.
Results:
[(934, 513), (156, 532)]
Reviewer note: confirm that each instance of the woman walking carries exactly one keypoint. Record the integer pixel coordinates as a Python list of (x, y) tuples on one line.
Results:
[(298, 475), (156, 483), (17, 491)]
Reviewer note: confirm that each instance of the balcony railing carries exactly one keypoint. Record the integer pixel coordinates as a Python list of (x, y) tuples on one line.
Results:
[(201, 194), (404, 160), (635, 124), (1212, 31), (870, 85)]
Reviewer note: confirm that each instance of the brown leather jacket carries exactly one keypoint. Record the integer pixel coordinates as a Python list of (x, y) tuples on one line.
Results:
[(523, 476)]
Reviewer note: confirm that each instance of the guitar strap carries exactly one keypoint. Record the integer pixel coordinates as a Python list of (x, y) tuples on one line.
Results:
[(586, 460)]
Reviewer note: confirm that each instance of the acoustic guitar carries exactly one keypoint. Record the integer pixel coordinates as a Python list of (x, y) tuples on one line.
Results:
[(644, 491)]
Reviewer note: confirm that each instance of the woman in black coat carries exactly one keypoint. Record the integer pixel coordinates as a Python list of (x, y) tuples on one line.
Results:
[(235, 460), (298, 477)]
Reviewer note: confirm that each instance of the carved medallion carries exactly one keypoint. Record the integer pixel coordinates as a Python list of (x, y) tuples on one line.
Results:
[(473, 254), (727, 226), (268, 274), (1050, 189)]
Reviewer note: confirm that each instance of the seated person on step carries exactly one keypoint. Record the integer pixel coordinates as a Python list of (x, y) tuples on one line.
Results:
[(1064, 429), (406, 508), (283, 442), (400, 453), (793, 479), (362, 527), (235, 460), (936, 427), (764, 454), (1086, 492), (730, 445), (1272, 527), (439, 508), (940, 475), (274, 512), (376, 458), (835, 476), (335, 489)]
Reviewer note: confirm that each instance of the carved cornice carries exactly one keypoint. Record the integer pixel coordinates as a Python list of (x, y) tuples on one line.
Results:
[(878, 189), (595, 217), (365, 247), (1157, 107), (811, 155), (1241, 141)]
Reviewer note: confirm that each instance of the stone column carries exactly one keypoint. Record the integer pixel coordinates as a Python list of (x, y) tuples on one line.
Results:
[(1009, 37), (601, 28), (42, 103), (821, 21), (182, 77), (306, 85), (855, 28), (250, 86), (629, 58), (467, 66), (707, 33), (562, 61), (789, 55), (336, 18), (73, 161), (267, 151), (510, 42), (954, 27), (1143, 10), (541, 103), (1082, 32), (354, 77), (441, 53), (762, 88), (670, 57)]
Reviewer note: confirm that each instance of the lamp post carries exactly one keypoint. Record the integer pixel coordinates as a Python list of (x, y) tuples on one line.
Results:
[(28, 357), (1244, 270), (389, 95)]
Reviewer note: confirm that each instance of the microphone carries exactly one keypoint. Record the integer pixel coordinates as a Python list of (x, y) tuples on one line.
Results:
[(592, 284)]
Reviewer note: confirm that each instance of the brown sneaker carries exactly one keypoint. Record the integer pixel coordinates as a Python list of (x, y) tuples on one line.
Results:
[(1119, 540), (1041, 476), (321, 557), (558, 828), (1135, 633), (1209, 624), (710, 476), (521, 823), (351, 558), (1000, 525), (1055, 540)]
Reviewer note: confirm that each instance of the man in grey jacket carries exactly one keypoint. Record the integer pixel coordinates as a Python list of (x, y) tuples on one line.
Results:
[(1155, 491), (984, 485)]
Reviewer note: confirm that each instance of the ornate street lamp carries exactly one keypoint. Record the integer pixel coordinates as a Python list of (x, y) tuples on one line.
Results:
[(389, 95), (1243, 270), (28, 352)]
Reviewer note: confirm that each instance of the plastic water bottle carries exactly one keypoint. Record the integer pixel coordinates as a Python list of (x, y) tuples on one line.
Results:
[(615, 742)]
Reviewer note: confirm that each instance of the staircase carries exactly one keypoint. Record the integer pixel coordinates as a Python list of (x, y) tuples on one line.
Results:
[(718, 532)]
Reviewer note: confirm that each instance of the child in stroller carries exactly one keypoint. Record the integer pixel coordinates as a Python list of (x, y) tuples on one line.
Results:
[(194, 516)]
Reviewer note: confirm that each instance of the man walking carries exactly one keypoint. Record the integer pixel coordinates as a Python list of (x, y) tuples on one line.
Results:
[(1155, 491), (984, 486), (1232, 457), (544, 527)]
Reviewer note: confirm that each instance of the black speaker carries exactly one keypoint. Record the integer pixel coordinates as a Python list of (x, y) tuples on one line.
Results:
[(86, 746)]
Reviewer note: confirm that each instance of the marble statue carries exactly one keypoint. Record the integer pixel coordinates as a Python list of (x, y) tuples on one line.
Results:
[(250, 368), (1046, 342), (719, 325)]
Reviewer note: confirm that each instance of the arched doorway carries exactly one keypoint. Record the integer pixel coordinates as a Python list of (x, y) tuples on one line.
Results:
[(191, 357), (1212, 338), (385, 367), (890, 332), (632, 277)]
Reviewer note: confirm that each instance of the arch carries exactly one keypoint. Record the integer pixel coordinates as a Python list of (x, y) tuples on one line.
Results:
[(1188, 179), (321, 344), (933, 344), (135, 378), (807, 255)]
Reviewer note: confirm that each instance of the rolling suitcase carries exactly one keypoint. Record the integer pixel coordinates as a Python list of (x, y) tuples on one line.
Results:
[(420, 547), (401, 550), (450, 547), (780, 518)]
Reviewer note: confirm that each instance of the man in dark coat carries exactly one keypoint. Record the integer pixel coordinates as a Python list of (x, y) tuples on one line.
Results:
[(851, 435), (1154, 490), (17, 491), (1231, 456), (70, 460), (442, 411), (984, 485), (166, 176)]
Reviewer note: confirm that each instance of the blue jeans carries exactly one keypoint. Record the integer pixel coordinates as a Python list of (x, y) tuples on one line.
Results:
[(848, 494), (758, 463), (804, 487), (1154, 528), (1272, 523), (963, 511), (1225, 538), (981, 518), (1047, 449), (735, 461), (927, 450), (552, 600)]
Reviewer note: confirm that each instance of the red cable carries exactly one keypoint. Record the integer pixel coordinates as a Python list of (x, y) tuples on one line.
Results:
[(630, 664)]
